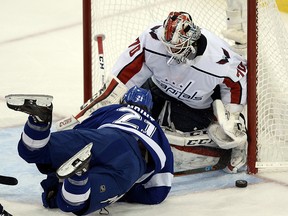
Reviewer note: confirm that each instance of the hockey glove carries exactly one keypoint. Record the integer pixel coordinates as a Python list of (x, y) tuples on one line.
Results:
[(230, 131), (50, 186)]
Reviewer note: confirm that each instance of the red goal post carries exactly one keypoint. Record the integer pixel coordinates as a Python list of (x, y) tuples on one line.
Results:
[(121, 21)]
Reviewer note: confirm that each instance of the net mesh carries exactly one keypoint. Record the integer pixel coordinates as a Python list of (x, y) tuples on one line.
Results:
[(272, 79)]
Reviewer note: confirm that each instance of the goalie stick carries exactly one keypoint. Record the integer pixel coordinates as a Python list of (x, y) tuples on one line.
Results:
[(7, 180), (99, 38), (111, 93), (200, 170)]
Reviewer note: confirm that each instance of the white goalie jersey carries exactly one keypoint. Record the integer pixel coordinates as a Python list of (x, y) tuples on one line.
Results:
[(215, 64)]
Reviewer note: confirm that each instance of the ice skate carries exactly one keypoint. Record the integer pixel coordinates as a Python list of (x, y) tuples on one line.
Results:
[(3, 212), (38, 106), (76, 164)]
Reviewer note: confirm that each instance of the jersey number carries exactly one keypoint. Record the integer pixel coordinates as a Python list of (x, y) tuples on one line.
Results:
[(129, 115), (136, 47)]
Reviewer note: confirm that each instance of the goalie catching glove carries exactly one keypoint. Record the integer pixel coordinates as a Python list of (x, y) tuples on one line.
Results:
[(230, 130)]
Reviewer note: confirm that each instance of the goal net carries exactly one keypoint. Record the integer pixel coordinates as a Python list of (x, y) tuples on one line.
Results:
[(122, 21), (268, 97)]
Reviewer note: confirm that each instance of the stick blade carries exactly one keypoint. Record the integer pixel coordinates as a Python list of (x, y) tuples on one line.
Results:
[(7, 180)]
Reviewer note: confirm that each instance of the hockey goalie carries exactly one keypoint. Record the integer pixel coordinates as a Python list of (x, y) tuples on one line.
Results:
[(188, 69)]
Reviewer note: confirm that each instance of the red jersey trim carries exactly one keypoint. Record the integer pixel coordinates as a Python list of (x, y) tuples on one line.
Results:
[(131, 69), (235, 90)]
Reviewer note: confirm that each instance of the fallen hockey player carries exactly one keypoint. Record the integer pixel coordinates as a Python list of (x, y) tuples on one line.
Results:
[(118, 153)]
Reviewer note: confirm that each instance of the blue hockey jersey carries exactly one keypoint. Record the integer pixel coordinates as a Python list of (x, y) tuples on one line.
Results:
[(131, 157), (154, 186)]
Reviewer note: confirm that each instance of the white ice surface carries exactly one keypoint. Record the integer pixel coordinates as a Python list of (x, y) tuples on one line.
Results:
[(41, 52)]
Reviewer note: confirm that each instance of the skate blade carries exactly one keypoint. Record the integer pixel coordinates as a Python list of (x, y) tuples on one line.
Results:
[(75, 163), (19, 99)]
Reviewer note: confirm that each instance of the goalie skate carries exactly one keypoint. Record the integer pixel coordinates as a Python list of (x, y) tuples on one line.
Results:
[(78, 163), (39, 106)]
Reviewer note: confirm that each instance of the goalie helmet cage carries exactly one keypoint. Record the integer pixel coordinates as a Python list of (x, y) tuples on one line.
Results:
[(121, 21)]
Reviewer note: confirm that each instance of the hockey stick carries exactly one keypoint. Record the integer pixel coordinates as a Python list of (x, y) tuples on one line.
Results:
[(3, 212), (111, 93), (7, 180), (222, 163), (200, 170), (99, 38)]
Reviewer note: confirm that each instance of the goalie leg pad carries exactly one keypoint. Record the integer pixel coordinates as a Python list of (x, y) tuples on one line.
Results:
[(187, 158)]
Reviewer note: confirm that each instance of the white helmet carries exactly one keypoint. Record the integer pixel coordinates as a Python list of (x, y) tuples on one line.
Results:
[(179, 36)]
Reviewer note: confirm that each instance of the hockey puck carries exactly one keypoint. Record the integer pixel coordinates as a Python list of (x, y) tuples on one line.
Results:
[(241, 183)]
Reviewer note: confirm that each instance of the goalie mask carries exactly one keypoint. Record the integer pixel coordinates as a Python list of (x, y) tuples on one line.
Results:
[(180, 36), (139, 97)]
